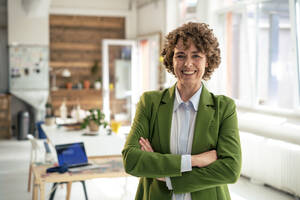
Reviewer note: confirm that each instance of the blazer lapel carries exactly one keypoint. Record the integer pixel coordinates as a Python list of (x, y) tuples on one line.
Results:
[(203, 119), (165, 112)]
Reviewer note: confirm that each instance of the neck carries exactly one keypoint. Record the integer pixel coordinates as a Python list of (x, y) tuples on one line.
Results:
[(186, 92)]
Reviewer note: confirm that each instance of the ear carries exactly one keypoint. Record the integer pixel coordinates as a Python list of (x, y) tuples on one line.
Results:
[(206, 65)]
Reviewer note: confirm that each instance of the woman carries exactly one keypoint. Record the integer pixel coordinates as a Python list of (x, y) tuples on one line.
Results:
[(184, 141)]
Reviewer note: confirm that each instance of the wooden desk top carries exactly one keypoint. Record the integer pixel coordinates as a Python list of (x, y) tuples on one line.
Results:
[(112, 167)]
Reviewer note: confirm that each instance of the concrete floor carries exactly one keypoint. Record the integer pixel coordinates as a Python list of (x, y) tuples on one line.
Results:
[(14, 162)]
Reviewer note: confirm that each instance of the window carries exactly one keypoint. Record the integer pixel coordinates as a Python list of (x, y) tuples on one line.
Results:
[(297, 27), (259, 52), (187, 10), (275, 66)]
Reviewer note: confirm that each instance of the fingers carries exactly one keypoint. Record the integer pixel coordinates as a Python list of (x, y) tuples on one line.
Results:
[(161, 179), (145, 145)]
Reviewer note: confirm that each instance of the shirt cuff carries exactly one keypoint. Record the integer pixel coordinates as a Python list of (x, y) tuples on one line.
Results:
[(168, 182), (186, 163)]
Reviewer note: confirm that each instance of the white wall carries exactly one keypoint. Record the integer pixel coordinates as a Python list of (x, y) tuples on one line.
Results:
[(118, 8), (91, 4), (151, 18), (23, 29)]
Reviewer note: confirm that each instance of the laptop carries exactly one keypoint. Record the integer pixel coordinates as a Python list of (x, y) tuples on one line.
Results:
[(72, 155)]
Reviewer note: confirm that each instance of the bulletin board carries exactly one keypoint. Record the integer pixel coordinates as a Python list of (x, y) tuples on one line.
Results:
[(29, 67)]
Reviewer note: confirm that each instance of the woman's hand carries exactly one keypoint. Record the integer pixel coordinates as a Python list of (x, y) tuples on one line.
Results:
[(204, 159), (146, 146)]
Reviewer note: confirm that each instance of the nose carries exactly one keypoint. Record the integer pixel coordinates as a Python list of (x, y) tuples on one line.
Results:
[(188, 62)]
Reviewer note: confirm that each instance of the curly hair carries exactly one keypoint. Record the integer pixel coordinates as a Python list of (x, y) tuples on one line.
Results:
[(204, 40)]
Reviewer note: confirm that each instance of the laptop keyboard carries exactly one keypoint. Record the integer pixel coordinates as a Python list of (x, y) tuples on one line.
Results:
[(86, 167)]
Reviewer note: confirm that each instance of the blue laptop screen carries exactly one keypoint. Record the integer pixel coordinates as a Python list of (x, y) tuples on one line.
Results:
[(71, 154)]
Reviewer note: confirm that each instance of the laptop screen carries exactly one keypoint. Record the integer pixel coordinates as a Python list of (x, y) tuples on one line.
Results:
[(71, 154)]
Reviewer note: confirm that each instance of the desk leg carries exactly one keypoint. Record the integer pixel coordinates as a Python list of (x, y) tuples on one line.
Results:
[(29, 178), (42, 191), (69, 186), (35, 189)]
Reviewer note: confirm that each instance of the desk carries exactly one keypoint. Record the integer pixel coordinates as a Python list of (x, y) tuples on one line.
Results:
[(114, 168), (99, 145)]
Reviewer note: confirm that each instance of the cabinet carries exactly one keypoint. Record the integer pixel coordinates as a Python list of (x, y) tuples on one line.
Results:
[(5, 116)]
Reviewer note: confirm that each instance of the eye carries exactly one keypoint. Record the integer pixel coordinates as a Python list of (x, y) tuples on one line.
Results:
[(180, 57), (196, 56)]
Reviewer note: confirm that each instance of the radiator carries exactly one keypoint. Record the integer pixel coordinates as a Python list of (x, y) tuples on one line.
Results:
[(271, 161)]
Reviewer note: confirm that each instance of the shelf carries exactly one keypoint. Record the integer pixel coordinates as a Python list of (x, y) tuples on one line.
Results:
[(74, 64)]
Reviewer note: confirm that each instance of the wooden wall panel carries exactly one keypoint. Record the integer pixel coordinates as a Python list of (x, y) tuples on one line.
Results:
[(75, 44)]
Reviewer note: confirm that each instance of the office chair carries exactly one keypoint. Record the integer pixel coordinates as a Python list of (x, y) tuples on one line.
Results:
[(36, 150)]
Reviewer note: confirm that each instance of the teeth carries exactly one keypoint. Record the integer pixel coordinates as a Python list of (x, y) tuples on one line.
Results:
[(188, 72)]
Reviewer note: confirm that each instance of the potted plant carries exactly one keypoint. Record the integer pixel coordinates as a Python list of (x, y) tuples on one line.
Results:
[(94, 120), (95, 67)]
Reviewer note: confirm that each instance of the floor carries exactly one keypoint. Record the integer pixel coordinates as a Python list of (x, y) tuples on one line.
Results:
[(14, 160)]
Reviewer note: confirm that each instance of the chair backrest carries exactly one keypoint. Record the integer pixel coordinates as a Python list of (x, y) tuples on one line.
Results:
[(33, 142), (37, 150), (41, 133)]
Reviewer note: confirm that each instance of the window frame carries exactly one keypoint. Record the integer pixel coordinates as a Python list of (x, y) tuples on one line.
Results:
[(253, 105)]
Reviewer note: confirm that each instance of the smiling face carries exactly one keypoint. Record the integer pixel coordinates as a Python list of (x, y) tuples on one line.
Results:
[(189, 65)]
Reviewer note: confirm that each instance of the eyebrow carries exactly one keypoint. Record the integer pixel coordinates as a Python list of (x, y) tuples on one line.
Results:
[(193, 52), (180, 52)]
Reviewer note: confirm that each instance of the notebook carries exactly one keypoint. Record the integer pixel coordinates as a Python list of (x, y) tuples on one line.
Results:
[(72, 155)]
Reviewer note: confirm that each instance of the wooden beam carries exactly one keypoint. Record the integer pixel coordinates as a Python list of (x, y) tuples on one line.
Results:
[(87, 21), (57, 64), (62, 46)]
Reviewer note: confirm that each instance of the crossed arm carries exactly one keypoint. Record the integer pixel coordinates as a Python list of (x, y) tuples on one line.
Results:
[(198, 160), (209, 170)]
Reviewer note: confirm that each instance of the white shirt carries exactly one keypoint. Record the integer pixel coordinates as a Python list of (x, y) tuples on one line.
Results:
[(182, 144)]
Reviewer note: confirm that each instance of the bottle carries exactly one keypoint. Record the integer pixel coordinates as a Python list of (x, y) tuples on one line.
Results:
[(78, 112), (49, 109), (63, 110), (49, 159)]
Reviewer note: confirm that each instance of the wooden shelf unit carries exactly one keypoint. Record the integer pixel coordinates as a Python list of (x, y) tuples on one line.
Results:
[(5, 116), (87, 99)]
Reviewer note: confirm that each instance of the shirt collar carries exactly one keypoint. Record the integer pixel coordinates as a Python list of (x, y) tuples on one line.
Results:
[(194, 100)]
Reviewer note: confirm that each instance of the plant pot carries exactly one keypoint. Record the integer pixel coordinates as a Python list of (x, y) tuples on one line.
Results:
[(86, 84), (69, 85), (93, 126), (97, 85)]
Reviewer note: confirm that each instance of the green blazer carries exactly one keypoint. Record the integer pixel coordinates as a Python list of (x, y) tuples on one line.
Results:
[(216, 127)]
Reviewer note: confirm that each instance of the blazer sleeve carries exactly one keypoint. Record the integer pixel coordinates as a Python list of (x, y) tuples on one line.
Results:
[(147, 164), (224, 170)]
